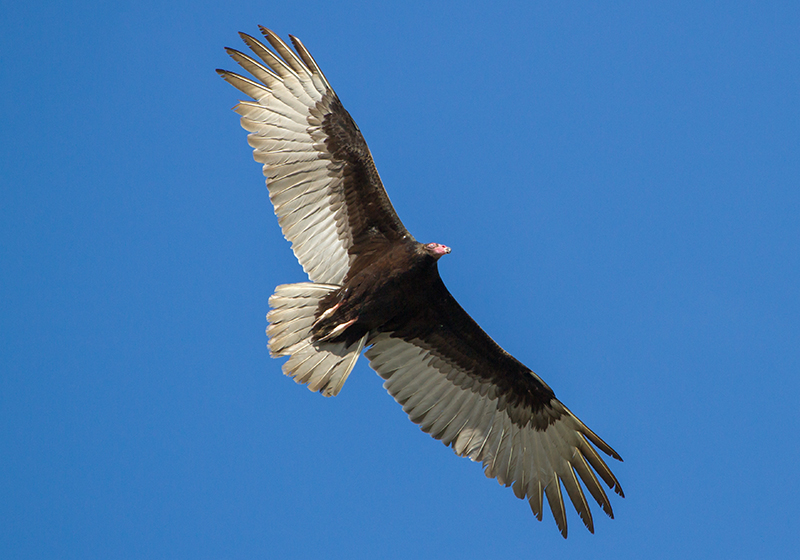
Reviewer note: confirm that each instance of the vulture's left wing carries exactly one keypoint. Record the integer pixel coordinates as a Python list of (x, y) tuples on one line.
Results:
[(322, 181), (466, 391)]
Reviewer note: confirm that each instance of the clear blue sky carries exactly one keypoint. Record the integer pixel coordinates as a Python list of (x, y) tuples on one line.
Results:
[(620, 188)]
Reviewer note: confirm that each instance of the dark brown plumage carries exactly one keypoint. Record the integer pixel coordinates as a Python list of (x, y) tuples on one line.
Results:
[(373, 285)]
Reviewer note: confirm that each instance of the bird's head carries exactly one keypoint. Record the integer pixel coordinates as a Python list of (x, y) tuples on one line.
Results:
[(436, 250)]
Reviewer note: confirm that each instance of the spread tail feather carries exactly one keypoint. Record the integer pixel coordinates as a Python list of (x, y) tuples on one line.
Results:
[(323, 366)]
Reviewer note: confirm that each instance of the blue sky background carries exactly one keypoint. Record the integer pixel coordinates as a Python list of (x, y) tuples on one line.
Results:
[(619, 184)]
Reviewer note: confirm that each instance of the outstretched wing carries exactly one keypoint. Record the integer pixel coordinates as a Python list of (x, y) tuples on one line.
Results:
[(329, 199), (466, 391)]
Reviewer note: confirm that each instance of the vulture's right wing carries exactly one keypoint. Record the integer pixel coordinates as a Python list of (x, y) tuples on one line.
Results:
[(329, 199), (466, 391)]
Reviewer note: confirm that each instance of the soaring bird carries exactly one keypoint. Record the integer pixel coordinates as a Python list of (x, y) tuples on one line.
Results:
[(374, 286)]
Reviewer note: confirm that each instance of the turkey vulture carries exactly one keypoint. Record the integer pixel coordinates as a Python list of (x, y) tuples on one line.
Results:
[(374, 286)]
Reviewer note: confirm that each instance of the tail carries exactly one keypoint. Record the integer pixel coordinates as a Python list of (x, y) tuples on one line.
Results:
[(323, 366)]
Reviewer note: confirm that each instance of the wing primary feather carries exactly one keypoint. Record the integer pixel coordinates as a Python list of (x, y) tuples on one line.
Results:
[(270, 58), (245, 85), (592, 484), (577, 497), (309, 60), (556, 501), (534, 481), (536, 498), (285, 52), (257, 69), (590, 435), (548, 470), (600, 466)]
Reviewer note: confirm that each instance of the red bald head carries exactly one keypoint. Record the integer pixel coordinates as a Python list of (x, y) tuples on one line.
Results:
[(436, 250)]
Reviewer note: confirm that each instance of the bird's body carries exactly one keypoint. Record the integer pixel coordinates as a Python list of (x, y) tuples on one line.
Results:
[(374, 286), (381, 295)]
